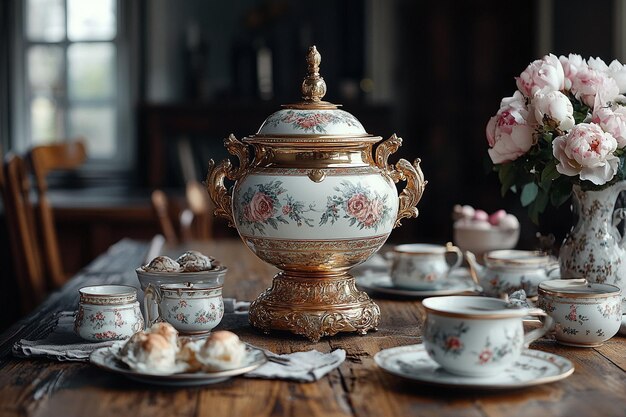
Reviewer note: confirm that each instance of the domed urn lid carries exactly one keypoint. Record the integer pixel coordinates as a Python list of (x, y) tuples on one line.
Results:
[(312, 117)]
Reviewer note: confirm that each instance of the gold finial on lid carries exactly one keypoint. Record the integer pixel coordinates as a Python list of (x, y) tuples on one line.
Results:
[(313, 86)]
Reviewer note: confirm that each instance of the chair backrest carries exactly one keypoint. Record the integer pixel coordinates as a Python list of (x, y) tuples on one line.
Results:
[(161, 208), (43, 160), (23, 233), (201, 207), (194, 222)]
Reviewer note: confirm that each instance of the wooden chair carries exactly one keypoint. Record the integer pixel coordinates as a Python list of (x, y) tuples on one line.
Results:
[(43, 160), (161, 206), (202, 209), (20, 217), (194, 222)]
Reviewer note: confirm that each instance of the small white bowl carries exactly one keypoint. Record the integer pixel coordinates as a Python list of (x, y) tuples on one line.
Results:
[(479, 241), (213, 276), (585, 314)]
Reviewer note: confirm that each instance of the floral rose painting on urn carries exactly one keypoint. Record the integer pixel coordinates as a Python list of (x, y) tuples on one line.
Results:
[(313, 198)]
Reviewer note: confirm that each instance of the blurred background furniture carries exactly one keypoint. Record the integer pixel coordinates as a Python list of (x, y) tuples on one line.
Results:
[(44, 159), (162, 209), (195, 219), (25, 250)]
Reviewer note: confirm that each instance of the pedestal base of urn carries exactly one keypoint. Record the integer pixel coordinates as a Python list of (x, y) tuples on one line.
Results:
[(314, 306)]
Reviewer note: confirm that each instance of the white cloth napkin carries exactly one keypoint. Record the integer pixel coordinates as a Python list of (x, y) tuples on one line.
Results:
[(299, 366), (62, 344)]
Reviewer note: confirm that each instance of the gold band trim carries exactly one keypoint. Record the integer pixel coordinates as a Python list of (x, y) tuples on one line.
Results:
[(473, 316), (543, 291)]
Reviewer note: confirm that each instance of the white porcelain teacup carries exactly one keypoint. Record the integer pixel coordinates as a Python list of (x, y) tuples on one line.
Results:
[(506, 271), (190, 308), (477, 336), (585, 314), (108, 312), (422, 266)]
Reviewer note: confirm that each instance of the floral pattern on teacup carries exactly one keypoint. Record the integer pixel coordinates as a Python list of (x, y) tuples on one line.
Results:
[(494, 354), (98, 319), (498, 285), (182, 311), (574, 316), (449, 342), (206, 316), (610, 310), (108, 323), (108, 335)]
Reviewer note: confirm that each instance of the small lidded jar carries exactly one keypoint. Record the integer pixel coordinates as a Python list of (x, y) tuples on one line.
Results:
[(108, 312), (586, 314)]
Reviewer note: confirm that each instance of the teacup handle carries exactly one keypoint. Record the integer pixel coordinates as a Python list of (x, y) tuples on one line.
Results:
[(450, 248), (151, 296), (535, 334)]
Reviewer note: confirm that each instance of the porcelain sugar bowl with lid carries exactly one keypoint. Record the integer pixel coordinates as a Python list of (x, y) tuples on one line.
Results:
[(311, 197)]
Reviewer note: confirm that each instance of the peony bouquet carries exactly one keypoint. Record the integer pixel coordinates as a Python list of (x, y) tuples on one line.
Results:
[(565, 125)]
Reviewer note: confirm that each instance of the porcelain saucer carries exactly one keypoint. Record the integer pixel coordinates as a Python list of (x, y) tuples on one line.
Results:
[(105, 358), (458, 282), (534, 367)]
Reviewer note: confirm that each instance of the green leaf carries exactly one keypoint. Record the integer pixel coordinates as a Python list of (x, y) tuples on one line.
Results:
[(560, 192), (538, 205), (541, 202), (507, 176), (550, 172), (529, 193)]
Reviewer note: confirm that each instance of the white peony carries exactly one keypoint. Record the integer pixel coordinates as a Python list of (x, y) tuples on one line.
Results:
[(557, 106), (587, 151), (543, 75)]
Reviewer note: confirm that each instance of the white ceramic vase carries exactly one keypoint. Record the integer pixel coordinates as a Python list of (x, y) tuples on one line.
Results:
[(594, 248)]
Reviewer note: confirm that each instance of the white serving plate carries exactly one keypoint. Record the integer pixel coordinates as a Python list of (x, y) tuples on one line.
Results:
[(105, 358)]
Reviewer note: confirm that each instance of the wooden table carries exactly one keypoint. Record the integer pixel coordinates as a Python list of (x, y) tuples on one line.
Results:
[(357, 388)]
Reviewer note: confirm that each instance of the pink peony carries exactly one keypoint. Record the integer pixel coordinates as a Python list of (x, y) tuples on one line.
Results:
[(543, 75), (589, 82), (617, 71), (509, 132), (612, 120), (571, 65), (587, 151)]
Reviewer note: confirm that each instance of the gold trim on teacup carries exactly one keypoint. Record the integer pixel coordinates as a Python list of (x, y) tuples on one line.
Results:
[(190, 287), (531, 258), (127, 297), (541, 290), (436, 249), (494, 316)]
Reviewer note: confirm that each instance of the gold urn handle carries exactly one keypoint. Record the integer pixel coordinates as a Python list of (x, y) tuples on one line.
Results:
[(217, 173), (405, 171)]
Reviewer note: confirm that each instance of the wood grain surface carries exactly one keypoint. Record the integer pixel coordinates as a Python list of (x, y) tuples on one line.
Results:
[(38, 387)]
